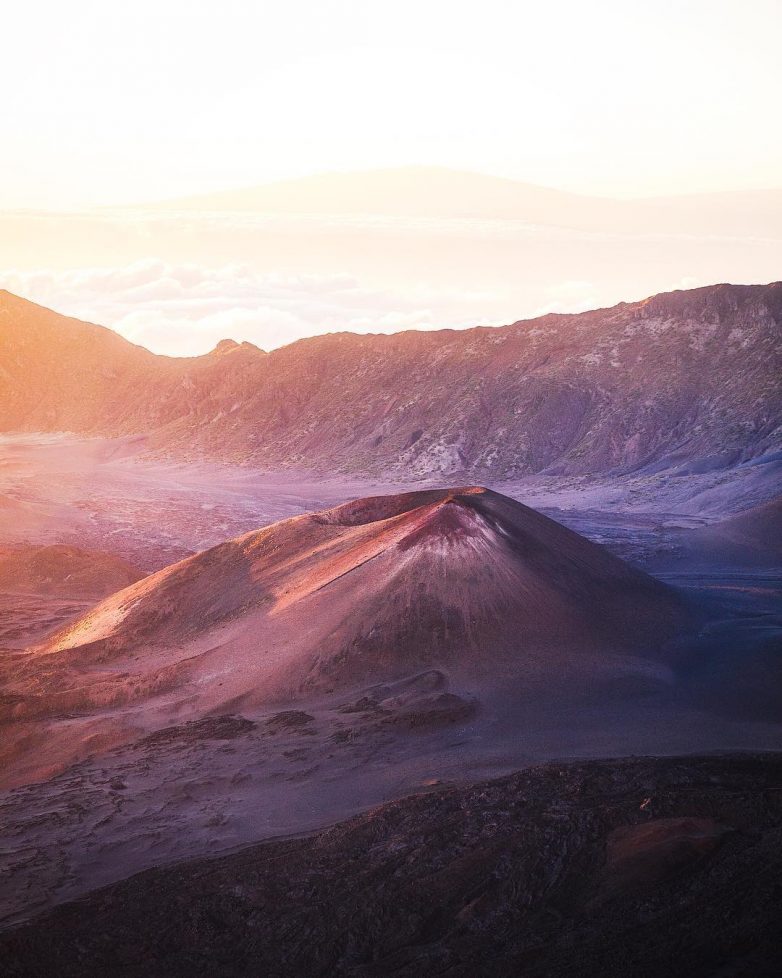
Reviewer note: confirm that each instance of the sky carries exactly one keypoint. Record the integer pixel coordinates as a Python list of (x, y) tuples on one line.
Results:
[(109, 103)]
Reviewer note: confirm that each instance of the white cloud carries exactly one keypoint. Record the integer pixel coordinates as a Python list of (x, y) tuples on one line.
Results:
[(185, 309), (570, 296)]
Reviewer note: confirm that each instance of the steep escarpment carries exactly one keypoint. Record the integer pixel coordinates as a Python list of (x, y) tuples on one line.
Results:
[(684, 379)]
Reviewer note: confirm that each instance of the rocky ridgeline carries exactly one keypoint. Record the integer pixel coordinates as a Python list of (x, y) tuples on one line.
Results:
[(688, 379)]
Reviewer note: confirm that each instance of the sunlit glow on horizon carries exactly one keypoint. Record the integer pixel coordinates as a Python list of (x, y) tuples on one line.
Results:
[(116, 117), (167, 98)]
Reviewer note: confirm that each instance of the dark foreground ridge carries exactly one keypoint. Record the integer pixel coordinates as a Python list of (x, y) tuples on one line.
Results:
[(644, 867)]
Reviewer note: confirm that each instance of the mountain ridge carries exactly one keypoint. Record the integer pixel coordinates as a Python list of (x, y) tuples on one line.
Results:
[(689, 376)]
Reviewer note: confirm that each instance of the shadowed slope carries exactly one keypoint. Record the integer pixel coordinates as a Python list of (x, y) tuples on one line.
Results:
[(753, 538)]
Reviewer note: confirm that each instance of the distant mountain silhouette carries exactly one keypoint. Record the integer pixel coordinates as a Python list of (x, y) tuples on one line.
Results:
[(442, 193)]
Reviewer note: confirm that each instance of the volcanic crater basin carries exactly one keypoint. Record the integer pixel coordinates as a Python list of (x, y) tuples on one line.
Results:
[(309, 670)]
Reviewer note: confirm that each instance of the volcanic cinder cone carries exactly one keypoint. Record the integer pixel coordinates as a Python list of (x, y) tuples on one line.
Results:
[(463, 580)]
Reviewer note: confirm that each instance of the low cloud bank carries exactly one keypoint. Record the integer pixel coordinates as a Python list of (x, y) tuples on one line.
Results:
[(185, 309)]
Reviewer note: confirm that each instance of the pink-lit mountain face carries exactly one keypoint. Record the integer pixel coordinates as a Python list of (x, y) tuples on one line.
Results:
[(685, 378)]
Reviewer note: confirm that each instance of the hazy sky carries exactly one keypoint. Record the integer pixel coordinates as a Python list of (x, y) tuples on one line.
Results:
[(108, 103)]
